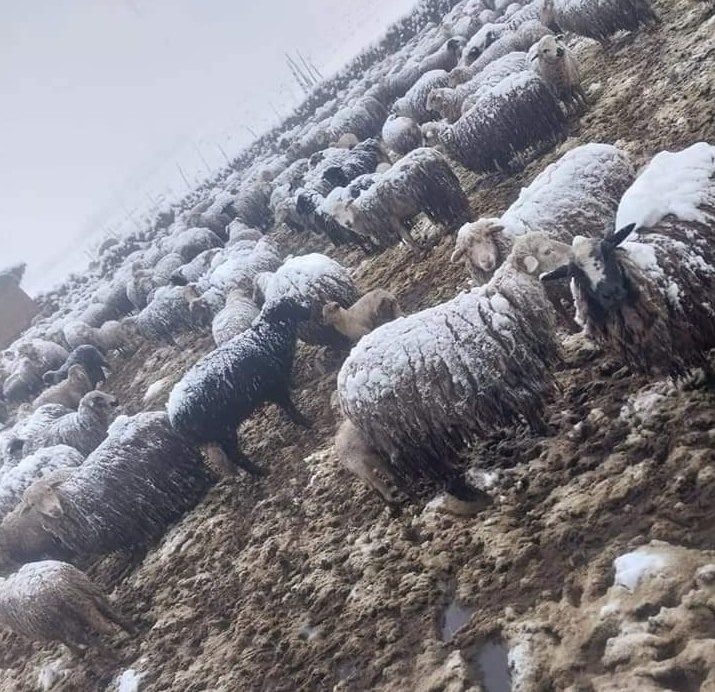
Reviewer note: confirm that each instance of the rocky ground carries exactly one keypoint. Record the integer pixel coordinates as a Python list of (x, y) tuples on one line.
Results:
[(591, 570)]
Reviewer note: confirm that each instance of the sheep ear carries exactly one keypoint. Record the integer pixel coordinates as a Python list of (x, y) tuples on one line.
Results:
[(496, 228), (619, 236), (531, 264), (457, 254), (559, 37), (562, 272)]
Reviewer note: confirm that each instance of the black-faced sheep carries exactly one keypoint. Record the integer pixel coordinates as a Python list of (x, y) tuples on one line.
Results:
[(557, 66), (421, 387), (421, 181), (401, 134), (577, 194), (414, 103), (68, 392), (510, 122), (142, 478), (54, 601), (372, 310), (89, 357), (84, 429), (598, 19), (235, 317), (315, 280), (227, 385), (649, 300)]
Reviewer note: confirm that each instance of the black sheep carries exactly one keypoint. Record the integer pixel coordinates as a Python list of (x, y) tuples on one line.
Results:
[(89, 357), (227, 385)]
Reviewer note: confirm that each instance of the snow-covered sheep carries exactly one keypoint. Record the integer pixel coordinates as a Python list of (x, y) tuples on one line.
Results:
[(363, 118), (194, 270), (373, 309), (315, 280), (557, 66), (421, 181), (47, 354), (143, 477), (577, 194), (54, 601), (166, 315), (445, 58), (421, 387), (251, 204), (227, 385), (237, 266), (111, 336), (193, 241), (16, 480), (165, 267), (414, 103), (89, 357), (649, 300), (68, 392), (23, 381), (235, 317), (83, 429), (487, 34), (598, 19), (140, 286), (509, 123), (401, 134), (238, 231), (355, 453)]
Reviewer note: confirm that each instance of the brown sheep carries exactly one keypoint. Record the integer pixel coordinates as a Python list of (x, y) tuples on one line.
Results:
[(69, 392), (372, 310)]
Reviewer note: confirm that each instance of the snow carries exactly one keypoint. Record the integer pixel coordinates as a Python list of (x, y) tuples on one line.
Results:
[(633, 568), (675, 183), (129, 681)]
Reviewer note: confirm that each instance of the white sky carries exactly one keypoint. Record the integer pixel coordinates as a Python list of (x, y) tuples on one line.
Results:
[(100, 99)]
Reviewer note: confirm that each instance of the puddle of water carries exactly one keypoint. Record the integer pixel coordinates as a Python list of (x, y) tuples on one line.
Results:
[(455, 616), (493, 664)]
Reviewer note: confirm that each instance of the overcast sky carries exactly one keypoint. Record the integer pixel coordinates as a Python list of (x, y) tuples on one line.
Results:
[(101, 99)]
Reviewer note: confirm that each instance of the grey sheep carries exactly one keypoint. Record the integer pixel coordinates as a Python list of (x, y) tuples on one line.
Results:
[(54, 601), (445, 58), (421, 387)]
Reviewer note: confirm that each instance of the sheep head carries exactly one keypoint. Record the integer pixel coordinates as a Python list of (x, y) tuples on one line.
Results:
[(42, 497), (536, 253), (548, 49), (478, 240), (330, 310)]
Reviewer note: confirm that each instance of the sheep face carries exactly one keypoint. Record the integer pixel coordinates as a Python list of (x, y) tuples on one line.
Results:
[(329, 311), (536, 253), (549, 49), (435, 100), (99, 402), (478, 242), (41, 497)]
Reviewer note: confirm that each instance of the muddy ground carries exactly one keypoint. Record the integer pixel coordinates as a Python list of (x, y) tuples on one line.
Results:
[(302, 581)]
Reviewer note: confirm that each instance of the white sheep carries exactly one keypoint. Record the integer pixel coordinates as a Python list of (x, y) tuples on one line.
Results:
[(421, 387), (401, 134), (235, 317), (373, 309), (577, 194), (414, 103), (557, 66)]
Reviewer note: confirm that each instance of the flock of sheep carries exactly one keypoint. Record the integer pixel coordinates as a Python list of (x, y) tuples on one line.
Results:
[(491, 88)]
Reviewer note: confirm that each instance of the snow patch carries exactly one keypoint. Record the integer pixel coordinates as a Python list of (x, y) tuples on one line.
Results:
[(129, 681), (632, 568)]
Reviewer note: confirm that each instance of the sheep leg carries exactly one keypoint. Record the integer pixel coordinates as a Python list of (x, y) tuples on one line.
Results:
[(284, 401), (404, 233), (113, 616), (229, 445)]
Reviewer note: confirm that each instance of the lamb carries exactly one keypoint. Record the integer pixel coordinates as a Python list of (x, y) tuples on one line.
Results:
[(54, 601), (89, 357), (578, 193), (648, 300), (511, 122), (372, 310), (46, 354), (227, 385), (421, 387), (414, 103), (445, 58), (83, 429), (357, 455), (422, 181), (236, 316), (557, 66), (143, 477), (16, 480), (313, 279), (69, 391), (401, 134), (598, 19)]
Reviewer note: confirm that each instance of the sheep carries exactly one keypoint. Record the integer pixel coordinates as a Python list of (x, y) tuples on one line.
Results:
[(363, 118), (251, 205), (227, 385), (235, 317), (89, 357), (484, 38), (238, 231), (112, 335), (194, 270), (70, 391), (648, 300), (372, 310), (422, 181), (83, 429), (356, 454), (54, 601), (421, 387), (237, 266), (445, 58), (316, 280), (47, 354), (140, 286), (143, 477), (598, 19), (578, 193), (511, 122), (193, 241), (557, 66), (16, 480), (401, 134), (165, 267), (414, 103), (23, 381)]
